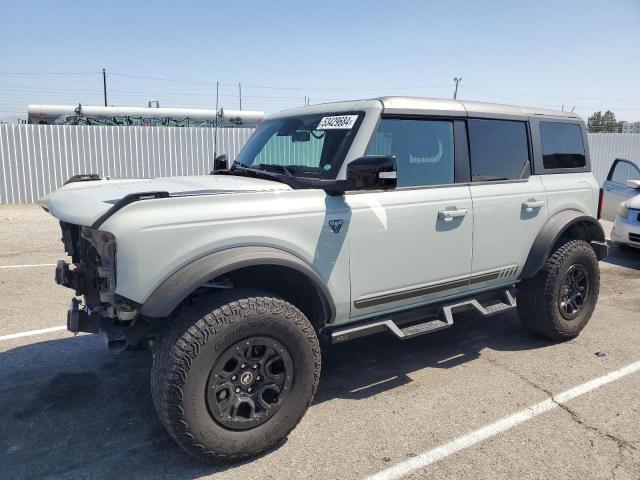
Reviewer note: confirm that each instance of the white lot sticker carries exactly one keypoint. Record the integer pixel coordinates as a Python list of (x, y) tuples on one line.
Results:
[(337, 122)]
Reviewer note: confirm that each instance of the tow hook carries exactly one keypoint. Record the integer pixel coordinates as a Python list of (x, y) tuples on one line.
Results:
[(76, 316), (64, 276)]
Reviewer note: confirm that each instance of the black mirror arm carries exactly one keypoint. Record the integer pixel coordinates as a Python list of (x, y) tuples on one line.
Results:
[(331, 187)]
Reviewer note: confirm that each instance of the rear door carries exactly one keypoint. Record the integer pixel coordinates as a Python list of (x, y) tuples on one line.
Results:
[(509, 205), (615, 189)]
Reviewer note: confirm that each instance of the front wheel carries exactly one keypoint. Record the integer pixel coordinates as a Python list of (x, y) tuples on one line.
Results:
[(558, 301), (235, 374)]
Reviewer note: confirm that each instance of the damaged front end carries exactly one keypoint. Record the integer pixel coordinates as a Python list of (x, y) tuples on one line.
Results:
[(92, 275)]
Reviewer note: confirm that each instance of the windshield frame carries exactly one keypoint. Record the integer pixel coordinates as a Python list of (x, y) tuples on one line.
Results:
[(337, 161)]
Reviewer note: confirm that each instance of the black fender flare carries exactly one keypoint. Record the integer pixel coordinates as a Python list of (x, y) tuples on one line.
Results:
[(179, 285), (551, 233)]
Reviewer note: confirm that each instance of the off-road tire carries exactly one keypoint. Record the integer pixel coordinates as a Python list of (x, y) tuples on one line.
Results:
[(538, 304), (194, 339)]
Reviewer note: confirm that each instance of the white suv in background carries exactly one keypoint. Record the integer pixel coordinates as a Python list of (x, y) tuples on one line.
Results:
[(621, 202)]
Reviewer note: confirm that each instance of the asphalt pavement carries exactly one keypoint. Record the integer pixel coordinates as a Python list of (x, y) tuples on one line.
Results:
[(71, 409)]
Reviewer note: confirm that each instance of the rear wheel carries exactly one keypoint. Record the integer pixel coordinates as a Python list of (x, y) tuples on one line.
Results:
[(559, 300), (235, 374)]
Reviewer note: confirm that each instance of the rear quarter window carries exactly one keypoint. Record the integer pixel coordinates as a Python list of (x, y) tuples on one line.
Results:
[(562, 145)]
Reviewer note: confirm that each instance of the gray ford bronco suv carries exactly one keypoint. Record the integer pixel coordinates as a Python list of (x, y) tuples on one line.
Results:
[(334, 222)]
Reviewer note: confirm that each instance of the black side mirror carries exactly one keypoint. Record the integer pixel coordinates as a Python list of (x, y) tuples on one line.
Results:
[(373, 172), (221, 162)]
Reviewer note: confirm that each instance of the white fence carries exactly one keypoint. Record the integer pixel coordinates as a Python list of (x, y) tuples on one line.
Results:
[(606, 147), (36, 159)]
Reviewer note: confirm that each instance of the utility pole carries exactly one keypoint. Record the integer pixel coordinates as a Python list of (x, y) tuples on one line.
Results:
[(215, 133), (240, 94), (104, 85), (455, 92)]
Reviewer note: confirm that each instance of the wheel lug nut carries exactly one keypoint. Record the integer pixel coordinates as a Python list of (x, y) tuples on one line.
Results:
[(249, 389), (258, 377), (237, 389), (242, 366), (234, 377), (255, 366)]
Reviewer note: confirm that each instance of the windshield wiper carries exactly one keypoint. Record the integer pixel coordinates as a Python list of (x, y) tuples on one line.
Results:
[(238, 168), (332, 187), (283, 168)]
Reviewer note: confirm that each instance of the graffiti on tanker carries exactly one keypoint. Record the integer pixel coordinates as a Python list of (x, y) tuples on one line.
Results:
[(129, 121)]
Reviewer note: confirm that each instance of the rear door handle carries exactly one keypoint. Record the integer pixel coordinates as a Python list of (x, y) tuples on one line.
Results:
[(531, 204), (448, 215)]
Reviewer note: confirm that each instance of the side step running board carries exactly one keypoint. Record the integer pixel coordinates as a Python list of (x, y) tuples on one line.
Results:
[(349, 332)]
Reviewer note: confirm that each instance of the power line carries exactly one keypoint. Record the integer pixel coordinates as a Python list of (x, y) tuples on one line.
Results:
[(583, 106), (561, 97), (49, 73), (274, 87), (67, 92)]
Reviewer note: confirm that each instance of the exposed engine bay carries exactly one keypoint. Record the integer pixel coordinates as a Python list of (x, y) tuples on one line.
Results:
[(92, 275), (93, 254)]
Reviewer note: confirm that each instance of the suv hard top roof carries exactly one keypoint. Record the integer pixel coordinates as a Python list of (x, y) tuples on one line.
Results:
[(430, 106)]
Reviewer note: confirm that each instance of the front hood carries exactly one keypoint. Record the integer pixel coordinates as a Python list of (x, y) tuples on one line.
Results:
[(82, 203)]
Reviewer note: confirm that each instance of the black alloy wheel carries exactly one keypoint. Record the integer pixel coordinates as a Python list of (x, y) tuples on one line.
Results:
[(574, 291), (249, 382)]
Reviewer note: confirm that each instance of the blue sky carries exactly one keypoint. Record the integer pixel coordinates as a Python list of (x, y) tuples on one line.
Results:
[(542, 53)]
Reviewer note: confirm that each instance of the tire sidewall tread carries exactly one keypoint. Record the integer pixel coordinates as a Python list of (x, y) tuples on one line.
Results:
[(537, 302), (190, 346)]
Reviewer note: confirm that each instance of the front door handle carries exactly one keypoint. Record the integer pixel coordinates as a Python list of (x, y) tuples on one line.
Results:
[(449, 215), (531, 204)]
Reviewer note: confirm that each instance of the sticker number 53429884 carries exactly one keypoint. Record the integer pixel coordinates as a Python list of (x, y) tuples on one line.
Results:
[(337, 122)]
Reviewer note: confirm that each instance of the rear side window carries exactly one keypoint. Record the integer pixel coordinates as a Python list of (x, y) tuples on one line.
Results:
[(562, 145), (624, 171), (499, 149), (424, 150)]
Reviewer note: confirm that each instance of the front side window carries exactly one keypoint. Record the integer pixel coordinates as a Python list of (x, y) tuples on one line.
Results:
[(625, 171), (499, 149), (423, 149), (306, 145), (562, 145)]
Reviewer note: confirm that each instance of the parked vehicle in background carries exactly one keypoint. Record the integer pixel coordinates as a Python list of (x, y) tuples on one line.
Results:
[(335, 221), (622, 183), (626, 229)]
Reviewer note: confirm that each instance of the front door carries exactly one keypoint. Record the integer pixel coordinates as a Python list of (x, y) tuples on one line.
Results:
[(411, 244)]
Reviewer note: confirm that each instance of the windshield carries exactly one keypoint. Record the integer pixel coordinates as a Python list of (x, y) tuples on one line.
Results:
[(306, 145)]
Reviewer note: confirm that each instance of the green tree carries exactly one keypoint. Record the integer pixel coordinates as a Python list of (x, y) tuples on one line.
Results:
[(603, 123)]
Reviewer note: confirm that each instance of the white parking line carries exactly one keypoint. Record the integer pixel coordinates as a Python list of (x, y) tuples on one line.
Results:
[(427, 458), (31, 265), (32, 332)]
